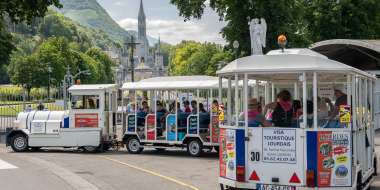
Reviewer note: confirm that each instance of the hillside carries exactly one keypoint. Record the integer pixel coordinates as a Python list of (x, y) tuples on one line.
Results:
[(91, 14)]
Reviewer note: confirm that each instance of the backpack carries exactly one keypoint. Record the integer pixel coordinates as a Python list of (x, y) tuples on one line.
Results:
[(282, 118)]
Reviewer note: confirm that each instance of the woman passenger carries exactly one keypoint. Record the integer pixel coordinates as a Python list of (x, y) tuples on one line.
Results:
[(255, 117), (282, 115)]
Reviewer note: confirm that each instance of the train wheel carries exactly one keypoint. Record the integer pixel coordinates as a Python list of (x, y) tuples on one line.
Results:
[(359, 184), (19, 143), (134, 146), (195, 147)]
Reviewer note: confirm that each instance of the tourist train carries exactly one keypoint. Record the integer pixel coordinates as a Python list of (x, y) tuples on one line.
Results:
[(293, 111)]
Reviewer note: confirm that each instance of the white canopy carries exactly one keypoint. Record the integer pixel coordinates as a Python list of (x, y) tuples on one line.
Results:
[(289, 61), (92, 87), (174, 82)]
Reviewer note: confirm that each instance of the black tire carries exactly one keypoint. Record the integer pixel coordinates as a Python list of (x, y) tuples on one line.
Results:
[(35, 149), (133, 145), (19, 143), (216, 148), (359, 185), (160, 149), (375, 167), (91, 149), (195, 147)]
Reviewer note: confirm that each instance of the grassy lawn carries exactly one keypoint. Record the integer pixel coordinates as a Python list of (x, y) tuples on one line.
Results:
[(13, 110)]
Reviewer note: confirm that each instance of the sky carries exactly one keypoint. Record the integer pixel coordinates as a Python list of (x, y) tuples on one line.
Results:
[(163, 20)]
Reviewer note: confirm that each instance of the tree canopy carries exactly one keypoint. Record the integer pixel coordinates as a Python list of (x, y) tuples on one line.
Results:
[(302, 21), (194, 58), (18, 11)]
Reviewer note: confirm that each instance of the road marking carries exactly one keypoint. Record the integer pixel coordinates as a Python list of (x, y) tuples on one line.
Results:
[(5, 165), (151, 172)]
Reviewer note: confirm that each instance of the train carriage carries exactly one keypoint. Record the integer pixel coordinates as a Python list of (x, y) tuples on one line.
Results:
[(316, 124)]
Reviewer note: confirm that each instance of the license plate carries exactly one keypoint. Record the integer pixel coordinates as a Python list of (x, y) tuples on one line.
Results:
[(274, 187)]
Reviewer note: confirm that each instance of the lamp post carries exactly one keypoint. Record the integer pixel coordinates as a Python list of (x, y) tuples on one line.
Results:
[(235, 45), (49, 73), (132, 43)]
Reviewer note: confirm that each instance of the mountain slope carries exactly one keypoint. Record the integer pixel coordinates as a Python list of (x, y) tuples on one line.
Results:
[(89, 13)]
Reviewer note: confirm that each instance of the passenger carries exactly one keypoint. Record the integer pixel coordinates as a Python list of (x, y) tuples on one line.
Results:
[(341, 99), (161, 114), (255, 117), (145, 107), (215, 106), (91, 104), (186, 105), (194, 107), (309, 114), (202, 108), (282, 115), (297, 108)]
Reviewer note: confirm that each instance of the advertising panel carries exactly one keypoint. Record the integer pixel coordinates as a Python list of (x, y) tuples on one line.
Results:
[(150, 125), (279, 145), (172, 127), (215, 129), (86, 120), (334, 158), (345, 114), (227, 154), (193, 124), (131, 123)]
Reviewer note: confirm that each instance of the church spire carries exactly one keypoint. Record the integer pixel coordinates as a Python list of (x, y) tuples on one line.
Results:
[(141, 22)]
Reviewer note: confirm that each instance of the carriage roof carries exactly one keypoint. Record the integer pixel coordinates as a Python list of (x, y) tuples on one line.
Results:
[(289, 61), (174, 82)]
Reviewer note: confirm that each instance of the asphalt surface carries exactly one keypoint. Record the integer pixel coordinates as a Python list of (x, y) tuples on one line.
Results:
[(67, 169)]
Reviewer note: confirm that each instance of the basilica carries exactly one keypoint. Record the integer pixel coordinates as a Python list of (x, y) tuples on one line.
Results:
[(148, 61)]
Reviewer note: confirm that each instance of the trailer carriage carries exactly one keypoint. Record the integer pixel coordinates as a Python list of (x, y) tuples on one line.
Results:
[(325, 146)]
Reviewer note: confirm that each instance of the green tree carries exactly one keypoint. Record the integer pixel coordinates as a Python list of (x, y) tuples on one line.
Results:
[(352, 19), (26, 71), (104, 64), (6, 45), (194, 58), (18, 11), (282, 17)]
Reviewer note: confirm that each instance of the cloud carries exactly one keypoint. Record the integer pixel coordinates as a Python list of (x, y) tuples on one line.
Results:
[(174, 31)]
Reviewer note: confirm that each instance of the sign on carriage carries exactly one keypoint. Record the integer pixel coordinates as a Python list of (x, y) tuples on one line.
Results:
[(279, 145), (334, 158), (86, 120), (326, 91), (131, 122)]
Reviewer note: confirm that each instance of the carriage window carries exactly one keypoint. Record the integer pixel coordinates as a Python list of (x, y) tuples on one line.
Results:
[(85, 102)]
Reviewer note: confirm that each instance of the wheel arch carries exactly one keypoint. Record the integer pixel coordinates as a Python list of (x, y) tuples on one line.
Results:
[(11, 134), (188, 139)]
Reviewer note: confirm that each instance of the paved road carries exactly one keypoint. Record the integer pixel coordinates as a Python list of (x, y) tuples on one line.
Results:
[(151, 170), (58, 169)]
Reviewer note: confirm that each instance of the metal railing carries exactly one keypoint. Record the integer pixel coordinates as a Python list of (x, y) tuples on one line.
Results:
[(14, 100)]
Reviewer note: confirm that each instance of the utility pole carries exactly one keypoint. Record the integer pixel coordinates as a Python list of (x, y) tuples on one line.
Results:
[(132, 44)]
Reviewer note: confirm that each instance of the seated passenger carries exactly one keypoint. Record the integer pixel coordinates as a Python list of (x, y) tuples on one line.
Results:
[(161, 114), (142, 113), (215, 107), (186, 105), (202, 108), (310, 114), (194, 109), (255, 117), (282, 115)]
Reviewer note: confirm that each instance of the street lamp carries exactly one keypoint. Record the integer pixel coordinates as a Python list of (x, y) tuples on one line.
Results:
[(49, 72), (235, 45)]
